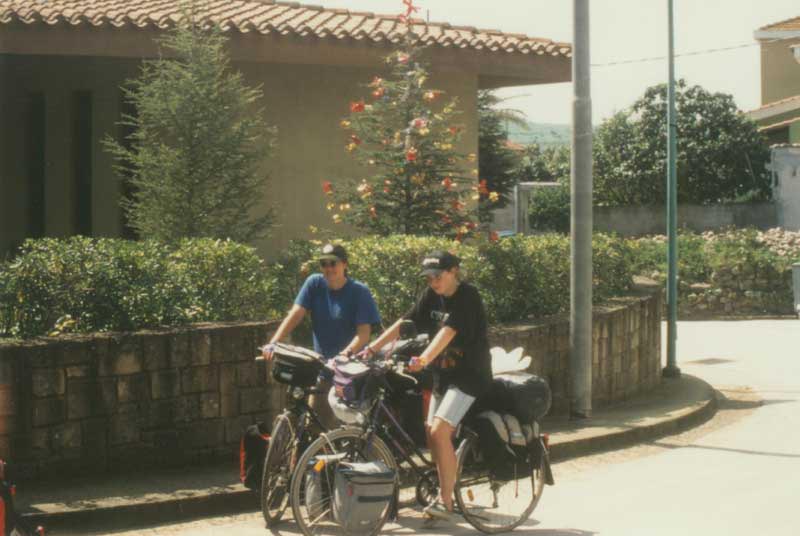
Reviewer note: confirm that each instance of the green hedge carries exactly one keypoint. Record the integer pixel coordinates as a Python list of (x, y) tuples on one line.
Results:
[(519, 277), (549, 208), (82, 285)]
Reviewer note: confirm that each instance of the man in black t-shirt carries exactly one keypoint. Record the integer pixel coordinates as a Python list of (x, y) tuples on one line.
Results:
[(452, 313)]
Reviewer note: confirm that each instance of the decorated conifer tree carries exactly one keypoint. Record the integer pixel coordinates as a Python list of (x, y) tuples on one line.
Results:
[(405, 134)]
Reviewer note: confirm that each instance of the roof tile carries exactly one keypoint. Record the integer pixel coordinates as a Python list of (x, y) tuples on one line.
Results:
[(281, 18), (787, 25)]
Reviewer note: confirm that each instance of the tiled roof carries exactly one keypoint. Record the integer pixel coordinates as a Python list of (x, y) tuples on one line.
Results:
[(788, 25), (773, 104), (269, 17)]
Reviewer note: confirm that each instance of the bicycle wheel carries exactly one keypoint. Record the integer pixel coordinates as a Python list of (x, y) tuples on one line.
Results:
[(277, 473), (489, 505), (344, 443)]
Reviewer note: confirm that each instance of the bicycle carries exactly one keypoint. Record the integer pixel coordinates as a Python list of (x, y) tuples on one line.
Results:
[(479, 492), (299, 369), (376, 424)]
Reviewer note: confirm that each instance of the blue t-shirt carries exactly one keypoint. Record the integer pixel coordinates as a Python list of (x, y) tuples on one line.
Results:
[(336, 313)]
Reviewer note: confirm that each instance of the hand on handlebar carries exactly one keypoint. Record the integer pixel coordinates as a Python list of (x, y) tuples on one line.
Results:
[(415, 364), (267, 351)]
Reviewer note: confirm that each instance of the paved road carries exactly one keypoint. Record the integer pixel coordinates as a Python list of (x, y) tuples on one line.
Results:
[(739, 474)]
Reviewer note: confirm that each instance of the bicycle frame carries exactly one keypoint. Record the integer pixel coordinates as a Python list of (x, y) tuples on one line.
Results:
[(302, 411), (383, 428)]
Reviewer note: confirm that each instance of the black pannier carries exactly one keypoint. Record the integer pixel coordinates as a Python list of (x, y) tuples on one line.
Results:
[(362, 494), (525, 396), (295, 365), (505, 445)]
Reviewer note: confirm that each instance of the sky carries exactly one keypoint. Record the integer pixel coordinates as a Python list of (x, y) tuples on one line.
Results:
[(621, 30)]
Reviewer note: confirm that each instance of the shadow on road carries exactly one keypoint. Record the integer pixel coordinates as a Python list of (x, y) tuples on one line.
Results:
[(666, 445)]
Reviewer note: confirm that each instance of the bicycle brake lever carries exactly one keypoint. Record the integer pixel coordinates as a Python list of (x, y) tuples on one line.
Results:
[(400, 371)]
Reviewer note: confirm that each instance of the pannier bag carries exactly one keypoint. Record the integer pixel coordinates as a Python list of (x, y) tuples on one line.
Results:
[(319, 482), (11, 523), (252, 451), (353, 382), (294, 365), (362, 494), (505, 444), (525, 396)]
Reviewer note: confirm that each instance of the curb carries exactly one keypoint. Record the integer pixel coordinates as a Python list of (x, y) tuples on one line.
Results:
[(156, 512), (566, 450)]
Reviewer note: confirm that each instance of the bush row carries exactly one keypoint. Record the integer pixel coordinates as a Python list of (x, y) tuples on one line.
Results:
[(742, 270), (81, 284)]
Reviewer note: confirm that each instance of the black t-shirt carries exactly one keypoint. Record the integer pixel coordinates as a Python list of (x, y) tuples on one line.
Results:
[(466, 362)]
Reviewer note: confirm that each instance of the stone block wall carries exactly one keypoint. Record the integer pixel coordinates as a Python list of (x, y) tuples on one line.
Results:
[(626, 350), (119, 401)]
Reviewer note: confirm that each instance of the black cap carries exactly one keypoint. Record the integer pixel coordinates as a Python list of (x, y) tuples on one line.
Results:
[(436, 262), (333, 252)]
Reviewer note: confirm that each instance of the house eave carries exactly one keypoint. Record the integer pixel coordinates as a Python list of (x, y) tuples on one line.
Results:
[(494, 68), (774, 110), (767, 35)]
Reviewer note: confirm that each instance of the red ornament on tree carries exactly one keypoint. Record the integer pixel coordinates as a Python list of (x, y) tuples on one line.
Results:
[(411, 155), (357, 106), (327, 187)]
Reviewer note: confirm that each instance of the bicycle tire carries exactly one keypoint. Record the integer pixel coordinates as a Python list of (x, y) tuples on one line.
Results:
[(277, 473), (332, 443), (473, 477)]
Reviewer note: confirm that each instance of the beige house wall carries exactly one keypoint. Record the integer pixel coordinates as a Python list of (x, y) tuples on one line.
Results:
[(305, 102), (780, 73)]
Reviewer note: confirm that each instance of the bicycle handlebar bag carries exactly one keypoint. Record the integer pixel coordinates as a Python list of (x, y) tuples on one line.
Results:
[(296, 366), (353, 381), (362, 494)]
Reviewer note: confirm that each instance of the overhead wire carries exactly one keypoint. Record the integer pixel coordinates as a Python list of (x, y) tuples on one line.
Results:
[(684, 54)]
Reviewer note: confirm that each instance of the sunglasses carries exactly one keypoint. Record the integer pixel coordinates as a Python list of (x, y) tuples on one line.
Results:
[(433, 277), (328, 264)]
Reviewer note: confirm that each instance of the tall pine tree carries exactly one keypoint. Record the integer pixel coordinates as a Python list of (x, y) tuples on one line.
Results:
[(198, 140)]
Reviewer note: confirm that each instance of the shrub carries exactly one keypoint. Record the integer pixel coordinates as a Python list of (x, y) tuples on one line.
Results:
[(744, 270), (83, 284), (549, 208), (519, 277)]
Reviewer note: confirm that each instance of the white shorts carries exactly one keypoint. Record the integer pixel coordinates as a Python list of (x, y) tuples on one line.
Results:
[(451, 407)]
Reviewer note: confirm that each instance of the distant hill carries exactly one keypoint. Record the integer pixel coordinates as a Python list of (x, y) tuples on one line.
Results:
[(545, 134)]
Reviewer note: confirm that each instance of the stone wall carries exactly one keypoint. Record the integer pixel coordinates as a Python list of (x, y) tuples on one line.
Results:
[(118, 401), (109, 402), (647, 220), (626, 350)]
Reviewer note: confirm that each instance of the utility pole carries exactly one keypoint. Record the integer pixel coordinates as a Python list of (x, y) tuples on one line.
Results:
[(672, 370), (581, 219)]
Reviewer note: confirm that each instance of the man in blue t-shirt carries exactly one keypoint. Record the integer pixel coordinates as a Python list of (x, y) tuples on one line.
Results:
[(342, 313)]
